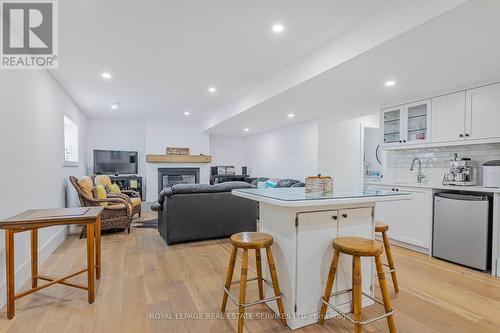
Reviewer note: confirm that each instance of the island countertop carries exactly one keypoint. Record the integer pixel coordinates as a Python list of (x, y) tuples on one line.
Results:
[(298, 197)]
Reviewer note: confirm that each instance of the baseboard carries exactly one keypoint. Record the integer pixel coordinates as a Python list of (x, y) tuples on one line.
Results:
[(23, 272), (405, 245)]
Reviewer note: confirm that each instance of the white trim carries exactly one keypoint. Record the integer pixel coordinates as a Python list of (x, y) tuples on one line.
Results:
[(23, 272)]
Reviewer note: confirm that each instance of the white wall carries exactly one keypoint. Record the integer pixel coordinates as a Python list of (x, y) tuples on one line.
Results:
[(110, 134), (161, 134), (339, 150), (229, 150), (32, 107), (288, 152)]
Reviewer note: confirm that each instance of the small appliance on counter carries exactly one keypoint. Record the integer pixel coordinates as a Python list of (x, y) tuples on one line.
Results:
[(462, 172), (491, 174)]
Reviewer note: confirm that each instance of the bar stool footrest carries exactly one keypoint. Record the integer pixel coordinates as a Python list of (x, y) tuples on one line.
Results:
[(346, 314), (244, 305)]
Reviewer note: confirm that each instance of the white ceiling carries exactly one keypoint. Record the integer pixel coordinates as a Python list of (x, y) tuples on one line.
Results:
[(453, 50), (165, 54)]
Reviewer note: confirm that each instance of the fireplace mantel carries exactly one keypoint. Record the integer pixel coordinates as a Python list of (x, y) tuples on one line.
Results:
[(158, 158)]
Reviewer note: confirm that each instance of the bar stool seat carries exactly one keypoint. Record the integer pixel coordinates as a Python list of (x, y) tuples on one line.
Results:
[(381, 227), (254, 241), (357, 247)]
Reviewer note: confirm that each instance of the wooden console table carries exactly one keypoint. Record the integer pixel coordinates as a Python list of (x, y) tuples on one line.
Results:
[(32, 220)]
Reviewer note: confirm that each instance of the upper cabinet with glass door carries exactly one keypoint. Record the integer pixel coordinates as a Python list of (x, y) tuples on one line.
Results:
[(406, 124), (417, 117), (391, 120)]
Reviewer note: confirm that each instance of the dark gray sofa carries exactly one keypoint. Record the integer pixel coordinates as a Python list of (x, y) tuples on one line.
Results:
[(194, 212)]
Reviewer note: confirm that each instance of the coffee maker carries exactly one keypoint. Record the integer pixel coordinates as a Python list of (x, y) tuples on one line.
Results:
[(462, 171)]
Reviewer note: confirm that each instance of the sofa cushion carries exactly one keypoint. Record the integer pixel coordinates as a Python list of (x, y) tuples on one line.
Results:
[(86, 185), (229, 186)]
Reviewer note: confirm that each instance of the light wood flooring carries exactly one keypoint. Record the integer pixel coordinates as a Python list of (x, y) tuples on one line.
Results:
[(143, 277)]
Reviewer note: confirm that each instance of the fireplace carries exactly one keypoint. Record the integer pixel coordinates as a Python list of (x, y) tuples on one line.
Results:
[(171, 176)]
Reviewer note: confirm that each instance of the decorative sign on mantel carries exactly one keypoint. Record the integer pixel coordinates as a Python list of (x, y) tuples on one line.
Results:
[(177, 151)]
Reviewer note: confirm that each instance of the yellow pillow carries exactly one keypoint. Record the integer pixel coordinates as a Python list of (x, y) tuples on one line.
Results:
[(100, 193), (114, 188)]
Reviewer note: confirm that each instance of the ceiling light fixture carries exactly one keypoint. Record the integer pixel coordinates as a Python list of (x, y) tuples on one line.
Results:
[(291, 115), (115, 105), (212, 89), (106, 75), (246, 129), (278, 28), (390, 83), (187, 113)]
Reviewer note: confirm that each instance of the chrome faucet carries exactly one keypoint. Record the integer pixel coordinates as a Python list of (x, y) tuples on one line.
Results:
[(419, 174)]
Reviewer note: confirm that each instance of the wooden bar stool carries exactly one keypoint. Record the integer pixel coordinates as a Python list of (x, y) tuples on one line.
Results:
[(383, 228), (357, 247), (253, 241)]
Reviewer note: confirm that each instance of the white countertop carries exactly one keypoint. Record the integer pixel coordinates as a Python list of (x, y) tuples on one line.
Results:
[(437, 186), (297, 197)]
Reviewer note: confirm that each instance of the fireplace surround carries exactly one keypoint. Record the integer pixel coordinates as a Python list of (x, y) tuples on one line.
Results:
[(171, 176)]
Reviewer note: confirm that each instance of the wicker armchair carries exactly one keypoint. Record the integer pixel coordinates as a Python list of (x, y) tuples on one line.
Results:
[(133, 197), (116, 215)]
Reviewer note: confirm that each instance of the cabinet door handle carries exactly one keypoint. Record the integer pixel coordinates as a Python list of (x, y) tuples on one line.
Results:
[(334, 217), (404, 141), (393, 189), (467, 134), (397, 190), (344, 216), (400, 141), (461, 135)]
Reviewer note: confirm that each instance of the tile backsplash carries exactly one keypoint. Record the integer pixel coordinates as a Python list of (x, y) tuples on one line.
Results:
[(435, 160)]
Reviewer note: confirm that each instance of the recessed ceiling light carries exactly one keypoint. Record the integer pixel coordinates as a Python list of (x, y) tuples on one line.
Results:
[(278, 28), (212, 89), (291, 115), (115, 105), (187, 113), (246, 129), (106, 75), (390, 83)]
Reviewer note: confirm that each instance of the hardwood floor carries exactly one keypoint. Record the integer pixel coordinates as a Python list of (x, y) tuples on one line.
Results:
[(144, 281)]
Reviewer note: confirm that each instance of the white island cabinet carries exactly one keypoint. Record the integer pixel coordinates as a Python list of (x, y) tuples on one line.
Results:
[(303, 227)]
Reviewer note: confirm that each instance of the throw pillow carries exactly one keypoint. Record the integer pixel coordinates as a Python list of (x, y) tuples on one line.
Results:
[(271, 183), (100, 193), (114, 188)]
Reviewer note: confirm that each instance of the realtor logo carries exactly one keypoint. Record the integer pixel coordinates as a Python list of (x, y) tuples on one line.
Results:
[(29, 34)]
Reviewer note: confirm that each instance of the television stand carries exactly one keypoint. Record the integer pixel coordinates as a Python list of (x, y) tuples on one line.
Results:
[(130, 182)]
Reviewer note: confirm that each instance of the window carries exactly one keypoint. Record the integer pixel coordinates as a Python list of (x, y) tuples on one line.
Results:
[(70, 141)]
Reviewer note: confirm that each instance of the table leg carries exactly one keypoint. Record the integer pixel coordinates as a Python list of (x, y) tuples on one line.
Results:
[(9, 271), (98, 248), (90, 262), (34, 258)]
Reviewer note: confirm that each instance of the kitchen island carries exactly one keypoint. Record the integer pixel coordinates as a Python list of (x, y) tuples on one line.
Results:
[(303, 226)]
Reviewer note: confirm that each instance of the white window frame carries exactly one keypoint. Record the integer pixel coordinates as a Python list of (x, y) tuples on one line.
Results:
[(71, 139)]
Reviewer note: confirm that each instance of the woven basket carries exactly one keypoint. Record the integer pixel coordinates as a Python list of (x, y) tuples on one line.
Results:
[(319, 184)]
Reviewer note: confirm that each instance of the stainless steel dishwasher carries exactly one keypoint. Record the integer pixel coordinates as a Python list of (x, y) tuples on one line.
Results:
[(461, 229)]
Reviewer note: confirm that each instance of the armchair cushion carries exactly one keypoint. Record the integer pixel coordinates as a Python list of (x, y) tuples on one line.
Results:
[(113, 188), (86, 185), (104, 180), (100, 193), (135, 201)]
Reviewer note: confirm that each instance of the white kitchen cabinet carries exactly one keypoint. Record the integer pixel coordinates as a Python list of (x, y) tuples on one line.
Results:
[(392, 126), (417, 120), (483, 112), (448, 117), (410, 220), (406, 124), (314, 261), (352, 223), (322, 228)]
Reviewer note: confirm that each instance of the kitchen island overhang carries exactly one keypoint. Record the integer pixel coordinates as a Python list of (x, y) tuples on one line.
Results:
[(303, 226)]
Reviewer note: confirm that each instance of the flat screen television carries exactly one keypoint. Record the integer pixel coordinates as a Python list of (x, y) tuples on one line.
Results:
[(115, 162)]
